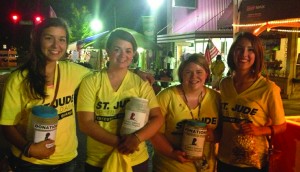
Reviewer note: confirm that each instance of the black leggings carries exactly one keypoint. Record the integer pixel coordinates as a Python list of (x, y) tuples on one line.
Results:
[(222, 167), (137, 168)]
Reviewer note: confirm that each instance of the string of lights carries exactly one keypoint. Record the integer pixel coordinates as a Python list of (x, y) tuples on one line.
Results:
[(269, 25)]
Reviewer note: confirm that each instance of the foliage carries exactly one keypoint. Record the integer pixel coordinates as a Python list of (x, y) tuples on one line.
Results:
[(80, 23)]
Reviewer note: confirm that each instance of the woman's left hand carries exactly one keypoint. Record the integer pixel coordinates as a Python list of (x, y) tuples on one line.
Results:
[(128, 144), (250, 129)]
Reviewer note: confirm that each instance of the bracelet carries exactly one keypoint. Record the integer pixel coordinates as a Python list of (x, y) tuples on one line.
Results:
[(272, 131), (137, 136), (27, 148)]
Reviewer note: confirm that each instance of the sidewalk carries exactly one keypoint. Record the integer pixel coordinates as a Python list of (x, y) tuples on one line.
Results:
[(291, 107)]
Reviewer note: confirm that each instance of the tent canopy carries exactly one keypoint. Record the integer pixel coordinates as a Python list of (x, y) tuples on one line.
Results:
[(87, 41), (91, 38), (141, 40)]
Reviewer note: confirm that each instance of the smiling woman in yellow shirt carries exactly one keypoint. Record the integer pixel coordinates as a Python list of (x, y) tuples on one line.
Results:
[(191, 99), (101, 106)]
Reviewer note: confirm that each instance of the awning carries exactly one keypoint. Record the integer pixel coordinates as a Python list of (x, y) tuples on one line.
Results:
[(226, 20), (86, 41), (194, 35), (91, 38)]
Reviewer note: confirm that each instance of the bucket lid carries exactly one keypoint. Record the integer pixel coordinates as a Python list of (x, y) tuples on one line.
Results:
[(44, 111), (139, 99), (196, 123)]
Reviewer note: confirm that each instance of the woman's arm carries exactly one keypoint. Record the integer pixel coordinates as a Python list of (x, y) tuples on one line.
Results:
[(88, 126), (36, 150), (145, 76), (154, 123), (163, 146), (277, 129), (251, 129), (129, 143), (13, 136)]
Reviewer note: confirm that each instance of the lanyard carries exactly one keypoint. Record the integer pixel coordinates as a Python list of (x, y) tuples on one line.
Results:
[(56, 86), (199, 104)]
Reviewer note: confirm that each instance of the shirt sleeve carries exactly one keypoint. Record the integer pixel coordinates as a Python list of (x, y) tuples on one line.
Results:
[(87, 94), (275, 106), (164, 100), (11, 106)]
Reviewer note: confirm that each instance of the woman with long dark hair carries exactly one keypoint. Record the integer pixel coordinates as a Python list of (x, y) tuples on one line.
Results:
[(252, 108), (43, 80)]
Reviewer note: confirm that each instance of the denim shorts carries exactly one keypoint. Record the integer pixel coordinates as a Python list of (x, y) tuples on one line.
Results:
[(19, 165)]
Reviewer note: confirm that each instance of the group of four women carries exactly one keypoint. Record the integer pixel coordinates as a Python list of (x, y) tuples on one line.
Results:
[(250, 105)]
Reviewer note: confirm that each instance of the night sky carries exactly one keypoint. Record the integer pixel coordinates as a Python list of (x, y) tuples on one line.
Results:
[(128, 14)]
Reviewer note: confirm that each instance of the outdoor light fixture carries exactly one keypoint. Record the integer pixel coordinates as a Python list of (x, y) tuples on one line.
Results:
[(15, 17), (272, 24), (38, 19)]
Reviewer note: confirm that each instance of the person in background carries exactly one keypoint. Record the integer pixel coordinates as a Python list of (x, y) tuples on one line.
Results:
[(189, 100), (79, 49), (41, 80), (217, 69), (101, 107), (170, 63), (251, 109)]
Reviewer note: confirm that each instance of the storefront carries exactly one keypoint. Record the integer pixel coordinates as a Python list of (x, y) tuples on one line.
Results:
[(196, 42)]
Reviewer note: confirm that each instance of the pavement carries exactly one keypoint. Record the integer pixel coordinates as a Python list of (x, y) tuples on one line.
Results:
[(291, 107)]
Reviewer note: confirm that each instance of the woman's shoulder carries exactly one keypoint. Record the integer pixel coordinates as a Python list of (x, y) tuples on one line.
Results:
[(135, 77), (213, 93), (168, 91), (226, 80), (16, 75), (267, 83), (66, 63), (95, 75)]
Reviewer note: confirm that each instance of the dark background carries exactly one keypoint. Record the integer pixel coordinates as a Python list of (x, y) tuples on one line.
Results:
[(113, 13)]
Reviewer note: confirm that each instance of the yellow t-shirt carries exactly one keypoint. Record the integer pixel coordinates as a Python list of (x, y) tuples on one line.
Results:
[(259, 103), (176, 112), (17, 107), (96, 95)]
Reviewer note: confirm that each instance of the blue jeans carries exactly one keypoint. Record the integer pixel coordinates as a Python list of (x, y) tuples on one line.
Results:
[(24, 166)]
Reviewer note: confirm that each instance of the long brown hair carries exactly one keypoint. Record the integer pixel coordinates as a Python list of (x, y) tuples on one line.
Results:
[(256, 43), (36, 61)]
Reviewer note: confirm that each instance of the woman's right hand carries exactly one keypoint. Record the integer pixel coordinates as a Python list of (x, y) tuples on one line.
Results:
[(179, 156), (128, 144), (42, 150)]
